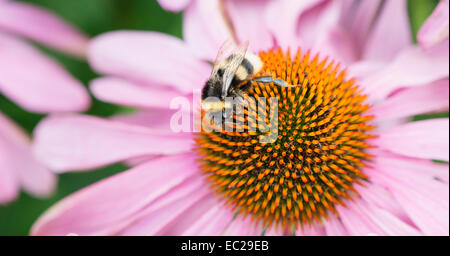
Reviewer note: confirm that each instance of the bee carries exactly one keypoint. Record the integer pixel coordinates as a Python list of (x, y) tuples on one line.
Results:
[(232, 75)]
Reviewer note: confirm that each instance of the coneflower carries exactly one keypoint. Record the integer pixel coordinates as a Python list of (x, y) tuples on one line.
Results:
[(345, 159)]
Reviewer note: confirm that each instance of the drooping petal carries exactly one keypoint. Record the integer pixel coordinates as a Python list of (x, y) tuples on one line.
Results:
[(110, 205), (380, 197), (422, 214), (430, 139), (392, 23), (32, 175), (9, 183), (212, 222), (436, 27), (334, 227), (315, 23), (424, 199), (95, 142), (315, 230), (174, 5), (386, 221), (362, 69), (424, 168), (357, 223), (337, 45), (241, 226), (413, 101), (158, 120), (414, 66), (359, 21), (413, 174), (35, 82), (249, 24), (163, 214), (42, 26), (363, 219), (18, 167), (148, 57), (205, 28), (123, 92), (312, 25), (283, 18)]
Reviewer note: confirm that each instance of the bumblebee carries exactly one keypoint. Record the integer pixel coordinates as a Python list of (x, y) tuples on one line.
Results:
[(232, 75)]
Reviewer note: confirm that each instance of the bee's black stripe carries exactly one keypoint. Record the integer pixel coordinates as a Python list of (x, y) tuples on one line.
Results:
[(248, 66)]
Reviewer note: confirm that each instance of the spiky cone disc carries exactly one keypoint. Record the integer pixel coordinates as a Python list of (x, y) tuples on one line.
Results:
[(317, 157)]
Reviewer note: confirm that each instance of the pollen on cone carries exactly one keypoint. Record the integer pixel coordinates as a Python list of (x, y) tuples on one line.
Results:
[(318, 149)]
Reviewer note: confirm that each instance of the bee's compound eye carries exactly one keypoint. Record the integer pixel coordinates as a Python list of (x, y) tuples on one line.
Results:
[(220, 72)]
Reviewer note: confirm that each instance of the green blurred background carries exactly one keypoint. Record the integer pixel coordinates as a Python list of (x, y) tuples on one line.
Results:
[(95, 17)]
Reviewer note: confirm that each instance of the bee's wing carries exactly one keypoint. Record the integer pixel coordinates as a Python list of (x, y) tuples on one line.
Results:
[(237, 56), (224, 51)]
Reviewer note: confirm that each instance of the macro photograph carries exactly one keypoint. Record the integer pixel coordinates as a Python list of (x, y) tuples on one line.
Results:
[(224, 118)]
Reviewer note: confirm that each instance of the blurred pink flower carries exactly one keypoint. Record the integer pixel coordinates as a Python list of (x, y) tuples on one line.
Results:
[(436, 28), (166, 194), (36, 83)]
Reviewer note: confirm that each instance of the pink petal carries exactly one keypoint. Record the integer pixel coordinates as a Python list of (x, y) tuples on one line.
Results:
[(95, 142), (392, 23), (9, 183), (338, 45), (387, 222), (249, 23), (413, 101), (35, 82), (314, 24), (381, 198), (364, 219), (421, 215), (359, 21), (316, 230), (425, 200), (412, 67), (139, 160), (204, 28), (424, 139), (274, 232), (157, 120), (106, 206), (435, 28), (148, 57), (400, 170), (283, 18), (14, 132), (334, 227), (174, 5), (356, 222), (362, 69), (42, 26), (424, 168), (195, 216), (122, 92), (178, 216), (212, 223), (241, 226), (19, 167), (164, 213)]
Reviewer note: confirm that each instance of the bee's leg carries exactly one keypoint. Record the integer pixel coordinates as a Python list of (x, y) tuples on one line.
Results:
[(244, 86), (263, 79), (240, 96), (268, 79)]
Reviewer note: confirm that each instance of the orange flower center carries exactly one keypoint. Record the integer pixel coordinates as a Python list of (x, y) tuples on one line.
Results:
[(317, 154)]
